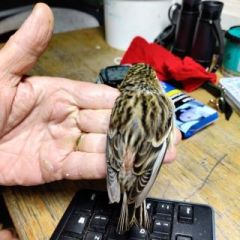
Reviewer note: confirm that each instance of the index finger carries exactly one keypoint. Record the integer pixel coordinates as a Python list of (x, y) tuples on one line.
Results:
[(91, 95)]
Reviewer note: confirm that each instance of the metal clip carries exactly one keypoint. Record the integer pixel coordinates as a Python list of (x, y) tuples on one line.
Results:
[(219, 102)]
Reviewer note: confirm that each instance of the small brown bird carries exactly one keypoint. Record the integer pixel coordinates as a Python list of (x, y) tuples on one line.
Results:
[(140, 131)]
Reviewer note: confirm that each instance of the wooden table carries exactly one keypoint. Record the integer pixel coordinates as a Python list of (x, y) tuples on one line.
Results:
[(207, 169)]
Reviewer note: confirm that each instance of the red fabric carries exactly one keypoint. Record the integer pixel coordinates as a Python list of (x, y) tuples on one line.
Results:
[(168, 66)]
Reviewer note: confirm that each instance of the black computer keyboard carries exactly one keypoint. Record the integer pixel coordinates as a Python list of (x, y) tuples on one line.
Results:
[(90, 217)]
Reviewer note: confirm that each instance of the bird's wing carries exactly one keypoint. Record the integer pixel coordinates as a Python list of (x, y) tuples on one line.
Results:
[(115, 136), (114, 152), (147, 175), (151, 154)]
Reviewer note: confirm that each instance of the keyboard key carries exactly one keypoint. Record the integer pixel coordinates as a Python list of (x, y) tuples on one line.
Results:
[(160, 226), (164, 211), (183, 238), (115, 214), (136, 233), (162, 229), (99, 222), (161, 236), (86, 202), (113, 235), (93, 236), (77, 223), (64, 237), (185, 213), (103, 206), (151, 205), (164, 208)]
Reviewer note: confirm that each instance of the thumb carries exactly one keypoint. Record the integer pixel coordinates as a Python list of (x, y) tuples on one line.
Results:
[(23, 49)]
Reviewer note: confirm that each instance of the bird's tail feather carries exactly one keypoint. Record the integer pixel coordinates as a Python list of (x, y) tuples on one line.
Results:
[(141, 216), (123, 222), (132, 216)]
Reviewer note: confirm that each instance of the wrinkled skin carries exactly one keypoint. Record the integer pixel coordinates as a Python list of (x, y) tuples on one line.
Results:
[(7, 234), (42, 118)]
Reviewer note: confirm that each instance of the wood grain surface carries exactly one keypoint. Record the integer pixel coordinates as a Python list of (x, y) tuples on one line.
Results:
[(207, 168)]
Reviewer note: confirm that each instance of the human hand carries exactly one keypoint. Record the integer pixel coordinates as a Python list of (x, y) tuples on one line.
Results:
[(172, 150), (6, 234), (50, 128)]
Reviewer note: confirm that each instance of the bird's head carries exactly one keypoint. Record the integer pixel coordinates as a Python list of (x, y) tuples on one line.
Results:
[(141, 74)]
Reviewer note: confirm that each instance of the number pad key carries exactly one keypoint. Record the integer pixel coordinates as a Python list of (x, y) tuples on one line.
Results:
[(183, 238), (113, 235), (77, 223), (86, 202), (162, 228), (165, 208), (185, 213), (99, 222), (165, 211), (93, 236), (137, 233)]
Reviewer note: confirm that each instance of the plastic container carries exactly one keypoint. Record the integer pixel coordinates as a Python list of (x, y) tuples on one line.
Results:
[(126, 19), (231, 59)]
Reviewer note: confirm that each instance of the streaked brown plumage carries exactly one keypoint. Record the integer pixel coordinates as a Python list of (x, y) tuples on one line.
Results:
[(140, 130)]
